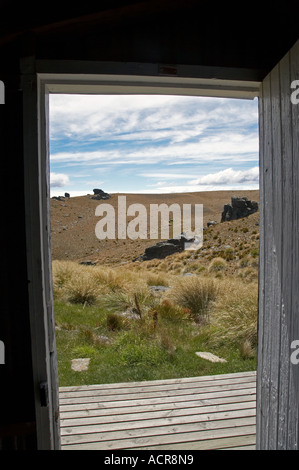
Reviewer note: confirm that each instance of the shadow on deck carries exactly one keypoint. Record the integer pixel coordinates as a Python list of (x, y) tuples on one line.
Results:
[(196, 413)]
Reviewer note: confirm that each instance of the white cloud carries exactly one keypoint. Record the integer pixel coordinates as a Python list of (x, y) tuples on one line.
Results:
[(72, 193), (58, 180), (136, 117), (228, 146), (167, 175), (229, 176), (103, 134)]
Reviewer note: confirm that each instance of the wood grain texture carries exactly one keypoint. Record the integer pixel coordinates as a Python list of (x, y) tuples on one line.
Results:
[(194, 413), (278, 379)]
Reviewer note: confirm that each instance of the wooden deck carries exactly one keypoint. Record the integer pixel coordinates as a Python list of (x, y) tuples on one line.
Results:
[(211, 412)]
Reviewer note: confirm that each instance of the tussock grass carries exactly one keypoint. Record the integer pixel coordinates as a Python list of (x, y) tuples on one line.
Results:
[(174, 313), (156, 279), (194, 294), (115, 322), (62, 272), (233, 317), (131, 332), (217, 264), (82, 289)]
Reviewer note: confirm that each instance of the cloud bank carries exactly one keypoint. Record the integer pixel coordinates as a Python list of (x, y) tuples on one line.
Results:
[(230, 176), (58, 180), (122, 141)]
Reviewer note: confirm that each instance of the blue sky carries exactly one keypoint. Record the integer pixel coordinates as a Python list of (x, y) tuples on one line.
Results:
[(152, 144)]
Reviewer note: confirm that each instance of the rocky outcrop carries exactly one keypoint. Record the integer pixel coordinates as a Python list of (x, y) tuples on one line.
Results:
[(211, 223), (99, 195), (165, 248), (239, 208)]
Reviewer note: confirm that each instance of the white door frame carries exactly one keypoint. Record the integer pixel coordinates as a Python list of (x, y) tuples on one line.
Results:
[(39, 79)]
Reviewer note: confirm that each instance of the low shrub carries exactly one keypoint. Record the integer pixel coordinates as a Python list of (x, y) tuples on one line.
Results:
[(62, 273), (153, 279), (194, 267), (82, 289), (247, 351), (170, 312), (233, 317), (137, 351), (139, 299), (255, 252), (114, 322), (217, 264), (84, 351), (194, 294)]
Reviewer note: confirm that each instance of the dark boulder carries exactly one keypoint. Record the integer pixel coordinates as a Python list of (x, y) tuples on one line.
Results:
[(239, 208), (165, 248), (99, 195), (161, 250)]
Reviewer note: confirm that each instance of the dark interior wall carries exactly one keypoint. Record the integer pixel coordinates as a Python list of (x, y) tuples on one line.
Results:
[(220, 34), (217, 33), (17, 414), (211, 33)]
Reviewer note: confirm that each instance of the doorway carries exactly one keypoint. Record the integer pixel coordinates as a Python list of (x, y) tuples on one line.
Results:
[(144, 151), (38, 234)]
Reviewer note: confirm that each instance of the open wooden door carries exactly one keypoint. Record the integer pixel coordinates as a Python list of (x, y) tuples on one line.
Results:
[(278, 371), (278, 376), (44, 361)]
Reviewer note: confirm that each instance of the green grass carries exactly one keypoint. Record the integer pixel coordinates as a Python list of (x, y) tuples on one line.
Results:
[(139, 349), (160, 339)]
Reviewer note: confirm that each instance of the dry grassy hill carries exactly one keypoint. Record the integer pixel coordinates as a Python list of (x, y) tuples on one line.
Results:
[(73, 224), (145, 320)]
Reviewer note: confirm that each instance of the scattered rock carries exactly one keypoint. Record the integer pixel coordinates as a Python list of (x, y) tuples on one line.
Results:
[(161, 250), (80, 364), (99, 195), (104, 339), (131, 313), (88, 263), (239, 208), (158, 288), (58, 198), (165, 248), (211, 223), (210, 357)]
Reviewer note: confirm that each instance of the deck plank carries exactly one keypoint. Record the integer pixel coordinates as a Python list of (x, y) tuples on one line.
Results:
[(153, 394), (204, 378), (196, 413), (177, 384), (142, 413)]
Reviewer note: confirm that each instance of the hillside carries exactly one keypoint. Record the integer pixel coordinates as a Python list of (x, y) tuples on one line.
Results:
[(147, 320), (73, 224)]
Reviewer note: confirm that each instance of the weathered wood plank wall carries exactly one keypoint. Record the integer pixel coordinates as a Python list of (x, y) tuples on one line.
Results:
[(278, 377)]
